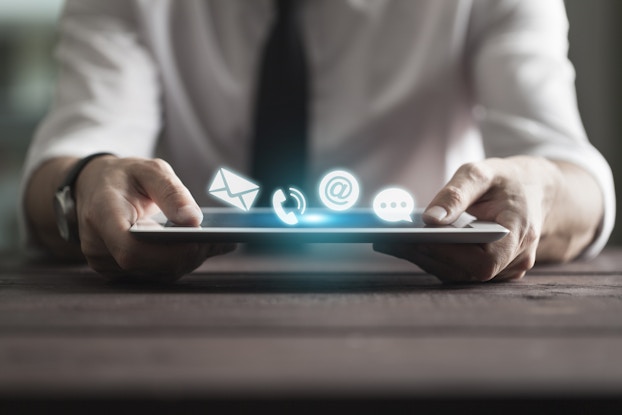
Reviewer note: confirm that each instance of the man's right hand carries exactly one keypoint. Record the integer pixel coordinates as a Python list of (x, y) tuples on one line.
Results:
[(112, 194)]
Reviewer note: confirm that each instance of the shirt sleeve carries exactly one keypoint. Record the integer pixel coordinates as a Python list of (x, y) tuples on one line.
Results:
[(523, 85), (107, 92)]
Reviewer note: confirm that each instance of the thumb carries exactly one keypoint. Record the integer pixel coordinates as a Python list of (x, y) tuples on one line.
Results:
[(466, 186), (161, 184)]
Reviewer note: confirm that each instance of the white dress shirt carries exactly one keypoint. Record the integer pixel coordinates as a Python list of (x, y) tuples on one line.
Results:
[(403, 92)]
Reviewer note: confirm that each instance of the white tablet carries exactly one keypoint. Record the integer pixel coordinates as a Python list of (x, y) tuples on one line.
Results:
[(316, 225)]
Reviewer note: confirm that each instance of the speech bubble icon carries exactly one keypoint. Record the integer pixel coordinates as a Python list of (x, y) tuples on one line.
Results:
[(394, 205)]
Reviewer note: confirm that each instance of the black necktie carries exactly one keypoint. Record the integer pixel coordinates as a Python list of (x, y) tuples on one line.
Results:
[(281, 107)]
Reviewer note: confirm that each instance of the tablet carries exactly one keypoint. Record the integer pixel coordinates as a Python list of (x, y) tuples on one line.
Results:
[(316, 225)]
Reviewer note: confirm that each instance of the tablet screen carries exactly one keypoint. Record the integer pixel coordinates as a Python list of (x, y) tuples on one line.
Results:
[(315, 225), (312, 219)]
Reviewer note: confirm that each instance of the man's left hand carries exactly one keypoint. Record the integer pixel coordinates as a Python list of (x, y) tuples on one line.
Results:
[(517, 192)]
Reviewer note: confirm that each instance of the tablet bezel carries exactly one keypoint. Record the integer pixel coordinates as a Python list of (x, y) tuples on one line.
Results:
[(465, 230)]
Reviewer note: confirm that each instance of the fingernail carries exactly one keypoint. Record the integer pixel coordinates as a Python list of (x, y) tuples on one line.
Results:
[(436, 212), (189, 214)]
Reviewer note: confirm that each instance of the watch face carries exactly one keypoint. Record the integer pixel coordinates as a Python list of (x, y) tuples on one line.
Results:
[(66, 219)]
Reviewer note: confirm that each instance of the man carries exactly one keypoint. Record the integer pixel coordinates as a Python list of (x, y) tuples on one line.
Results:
[(470, 104)]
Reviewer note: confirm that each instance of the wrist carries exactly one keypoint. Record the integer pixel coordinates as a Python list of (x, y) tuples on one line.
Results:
[(553, 183), (574, 214), (540, 172), (65, 205), (92, 177)]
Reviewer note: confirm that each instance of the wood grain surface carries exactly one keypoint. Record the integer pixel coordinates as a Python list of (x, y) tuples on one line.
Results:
[(325, 322)]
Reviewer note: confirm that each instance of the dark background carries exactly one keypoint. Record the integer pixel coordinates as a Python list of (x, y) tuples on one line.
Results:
[(27, 73)]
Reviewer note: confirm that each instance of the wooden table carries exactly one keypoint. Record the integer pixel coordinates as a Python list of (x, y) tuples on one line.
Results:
[(328, 327)]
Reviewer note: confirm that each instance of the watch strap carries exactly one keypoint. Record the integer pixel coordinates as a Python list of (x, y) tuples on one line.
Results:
[(72, 176)]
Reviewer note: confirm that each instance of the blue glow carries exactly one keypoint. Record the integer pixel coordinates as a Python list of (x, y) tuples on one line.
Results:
[(315, 218)]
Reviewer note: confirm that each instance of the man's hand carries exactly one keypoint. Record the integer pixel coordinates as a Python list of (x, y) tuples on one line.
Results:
[(532, 197), (112, 194)]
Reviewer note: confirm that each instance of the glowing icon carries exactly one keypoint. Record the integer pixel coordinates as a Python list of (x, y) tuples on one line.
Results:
[(339, 190), (279, 198), (394, 205), (234, 189)]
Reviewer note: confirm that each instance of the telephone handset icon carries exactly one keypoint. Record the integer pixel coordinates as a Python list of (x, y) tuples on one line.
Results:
[(291, 217)]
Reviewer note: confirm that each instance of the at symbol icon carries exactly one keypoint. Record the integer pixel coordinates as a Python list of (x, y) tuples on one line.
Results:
[(339, 190)]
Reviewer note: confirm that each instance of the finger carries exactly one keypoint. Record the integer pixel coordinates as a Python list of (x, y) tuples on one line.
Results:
[(110, 248), (470, 183), (447, 273), (161, 184), (412, 253), (505, 258), (145, 262), (222, 249), (476, 262), (519, 266), (454, 262)]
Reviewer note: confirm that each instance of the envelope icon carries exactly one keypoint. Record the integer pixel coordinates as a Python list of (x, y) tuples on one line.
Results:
[(234, 189)]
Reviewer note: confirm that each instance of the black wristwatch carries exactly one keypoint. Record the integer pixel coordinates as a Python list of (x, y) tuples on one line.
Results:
[(65, 203)]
